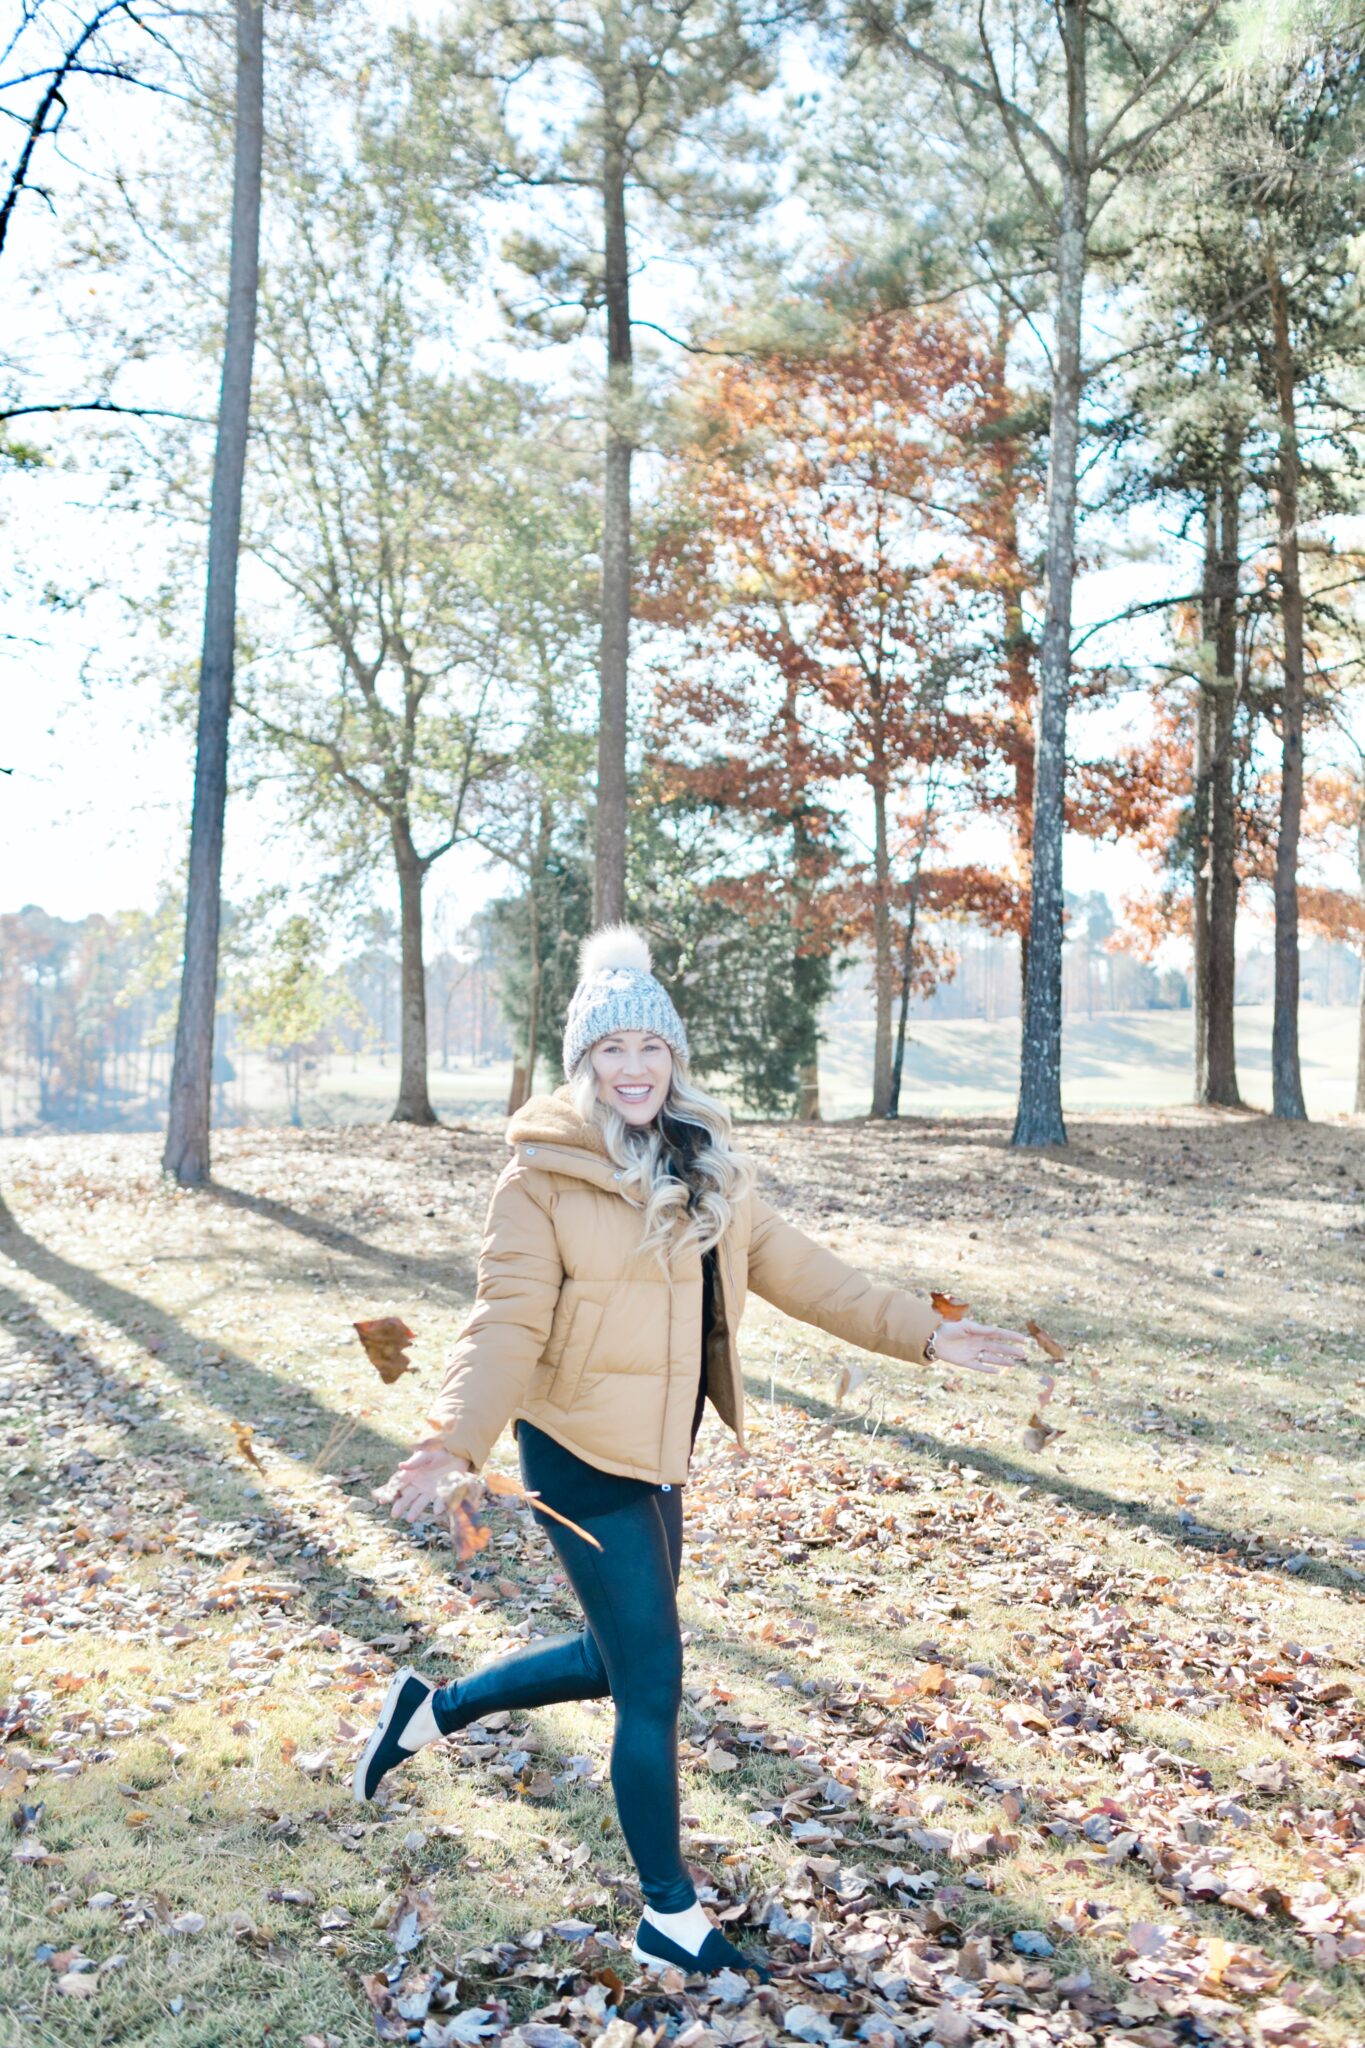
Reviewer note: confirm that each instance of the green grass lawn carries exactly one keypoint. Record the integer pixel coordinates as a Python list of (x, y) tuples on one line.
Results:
[(989, 1733)]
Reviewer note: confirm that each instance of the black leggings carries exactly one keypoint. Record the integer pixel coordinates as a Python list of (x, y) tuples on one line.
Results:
[(630, 1648)]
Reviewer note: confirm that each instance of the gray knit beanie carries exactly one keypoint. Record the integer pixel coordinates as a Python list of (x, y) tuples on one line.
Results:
[(617, 992)]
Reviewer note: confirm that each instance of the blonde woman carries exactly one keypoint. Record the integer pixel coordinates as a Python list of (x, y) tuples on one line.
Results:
[(622, 1238)]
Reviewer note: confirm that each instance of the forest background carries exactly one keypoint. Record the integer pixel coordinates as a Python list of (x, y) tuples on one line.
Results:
[(782, 473)]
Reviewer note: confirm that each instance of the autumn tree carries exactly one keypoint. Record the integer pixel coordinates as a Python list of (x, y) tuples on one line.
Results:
[(816, 547), (285, 998), (910, 224), (730, 744), (1337, 913)]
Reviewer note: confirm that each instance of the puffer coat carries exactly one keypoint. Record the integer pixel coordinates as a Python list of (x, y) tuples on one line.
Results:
[(578, 1331)]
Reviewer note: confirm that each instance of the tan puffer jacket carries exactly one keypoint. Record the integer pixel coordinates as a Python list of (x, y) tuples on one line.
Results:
[(583, 1334)]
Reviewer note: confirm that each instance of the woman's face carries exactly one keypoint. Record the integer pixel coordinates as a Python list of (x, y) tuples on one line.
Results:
[(633, 1070)]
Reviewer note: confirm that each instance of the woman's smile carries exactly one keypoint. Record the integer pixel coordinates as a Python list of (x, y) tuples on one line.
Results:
[(633, 1070)]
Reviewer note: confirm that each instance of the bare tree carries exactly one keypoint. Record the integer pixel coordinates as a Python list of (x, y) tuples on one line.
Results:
[(51, 45), (186, 1153)]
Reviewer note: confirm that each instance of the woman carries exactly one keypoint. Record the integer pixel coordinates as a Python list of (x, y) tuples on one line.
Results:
[(621, 1240)]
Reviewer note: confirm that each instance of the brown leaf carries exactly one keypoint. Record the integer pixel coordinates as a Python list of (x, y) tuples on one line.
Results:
[(1045, 1342), (851, 1376), (950, 1310), (1038, 1434), (242, 1433), (470, 1536), (386, 1340)]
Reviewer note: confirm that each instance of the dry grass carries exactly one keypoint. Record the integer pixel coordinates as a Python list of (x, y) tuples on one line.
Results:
[(185, 1629)]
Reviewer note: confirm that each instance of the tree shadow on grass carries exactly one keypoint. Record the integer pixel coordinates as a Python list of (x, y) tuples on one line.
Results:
[(250, 1388), (452, 1273), (1202, 1538), (220, 1490)]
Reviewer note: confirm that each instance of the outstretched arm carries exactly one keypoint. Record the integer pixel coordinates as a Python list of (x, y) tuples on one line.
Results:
[(814, 1284)]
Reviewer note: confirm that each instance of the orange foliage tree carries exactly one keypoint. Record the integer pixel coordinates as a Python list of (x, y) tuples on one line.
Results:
[(828, 584)]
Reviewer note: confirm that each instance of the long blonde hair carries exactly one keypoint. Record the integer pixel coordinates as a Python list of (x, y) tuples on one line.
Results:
[(683, 1166)]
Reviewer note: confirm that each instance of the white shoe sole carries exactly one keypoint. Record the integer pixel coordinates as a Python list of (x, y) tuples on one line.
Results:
[(381, 1729), (656, 1964)]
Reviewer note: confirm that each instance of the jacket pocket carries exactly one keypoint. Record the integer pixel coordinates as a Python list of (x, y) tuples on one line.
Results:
[(579, 1339)]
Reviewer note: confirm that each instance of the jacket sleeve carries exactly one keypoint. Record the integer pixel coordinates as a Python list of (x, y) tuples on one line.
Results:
[(808, 1281), (520, 1275)]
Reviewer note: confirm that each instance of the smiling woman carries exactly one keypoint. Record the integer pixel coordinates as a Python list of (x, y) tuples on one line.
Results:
[(621, 1242)]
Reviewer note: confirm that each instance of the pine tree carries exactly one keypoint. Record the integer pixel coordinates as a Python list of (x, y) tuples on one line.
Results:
[(637, 131)]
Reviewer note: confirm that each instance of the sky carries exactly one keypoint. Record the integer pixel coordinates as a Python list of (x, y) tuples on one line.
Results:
[(94, 803)]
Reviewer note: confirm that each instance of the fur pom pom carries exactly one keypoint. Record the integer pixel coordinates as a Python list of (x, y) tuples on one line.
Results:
[(613, 945)]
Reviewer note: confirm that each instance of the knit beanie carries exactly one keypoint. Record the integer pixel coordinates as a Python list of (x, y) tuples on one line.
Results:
[(617, 992)]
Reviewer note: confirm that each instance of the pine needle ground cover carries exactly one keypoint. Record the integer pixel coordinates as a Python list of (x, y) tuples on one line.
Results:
[(1025, 1710)]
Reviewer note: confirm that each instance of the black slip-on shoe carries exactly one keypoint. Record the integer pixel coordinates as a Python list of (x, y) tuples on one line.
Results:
[(656, 1952), (383, 1750)]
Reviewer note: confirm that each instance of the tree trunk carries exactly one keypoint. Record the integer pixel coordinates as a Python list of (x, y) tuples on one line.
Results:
[(881, 932), (1019, 690), (1039, 1120), (808, 1081), (414, 1103), (1220, 1080), (1286, 1079), (186, 1153), (609, 880), (893, 1105), (1199, 796), (524, 1069)]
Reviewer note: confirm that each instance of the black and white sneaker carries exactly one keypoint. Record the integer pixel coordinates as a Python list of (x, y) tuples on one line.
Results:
[(654, 1951), (384, 1750)]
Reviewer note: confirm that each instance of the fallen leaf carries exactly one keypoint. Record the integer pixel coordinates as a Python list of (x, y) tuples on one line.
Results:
[(386, 1340), (242, 1433), (1037, 1433), (851, 1376), (1045, 1342), (950, 1310)]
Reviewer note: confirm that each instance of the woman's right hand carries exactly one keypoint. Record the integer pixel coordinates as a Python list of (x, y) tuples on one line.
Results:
[(419, 1488)]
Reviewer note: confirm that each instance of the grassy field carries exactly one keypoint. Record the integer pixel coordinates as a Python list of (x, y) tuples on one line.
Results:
[(954, 1067), (1016, 1710)]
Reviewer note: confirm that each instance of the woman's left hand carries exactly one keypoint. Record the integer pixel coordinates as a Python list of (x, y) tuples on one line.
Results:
[(979, 1347)]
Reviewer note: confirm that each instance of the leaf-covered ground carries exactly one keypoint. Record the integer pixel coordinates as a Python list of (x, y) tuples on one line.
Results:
[(1005, 1721)]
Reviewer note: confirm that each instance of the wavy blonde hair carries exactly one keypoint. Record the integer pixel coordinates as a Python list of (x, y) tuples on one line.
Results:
[(683, 1167)]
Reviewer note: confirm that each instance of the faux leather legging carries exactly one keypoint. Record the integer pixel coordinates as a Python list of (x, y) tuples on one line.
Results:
[(630, 1647)]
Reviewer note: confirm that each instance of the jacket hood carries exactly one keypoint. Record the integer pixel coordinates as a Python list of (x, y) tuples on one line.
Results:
[(553, 1120)]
